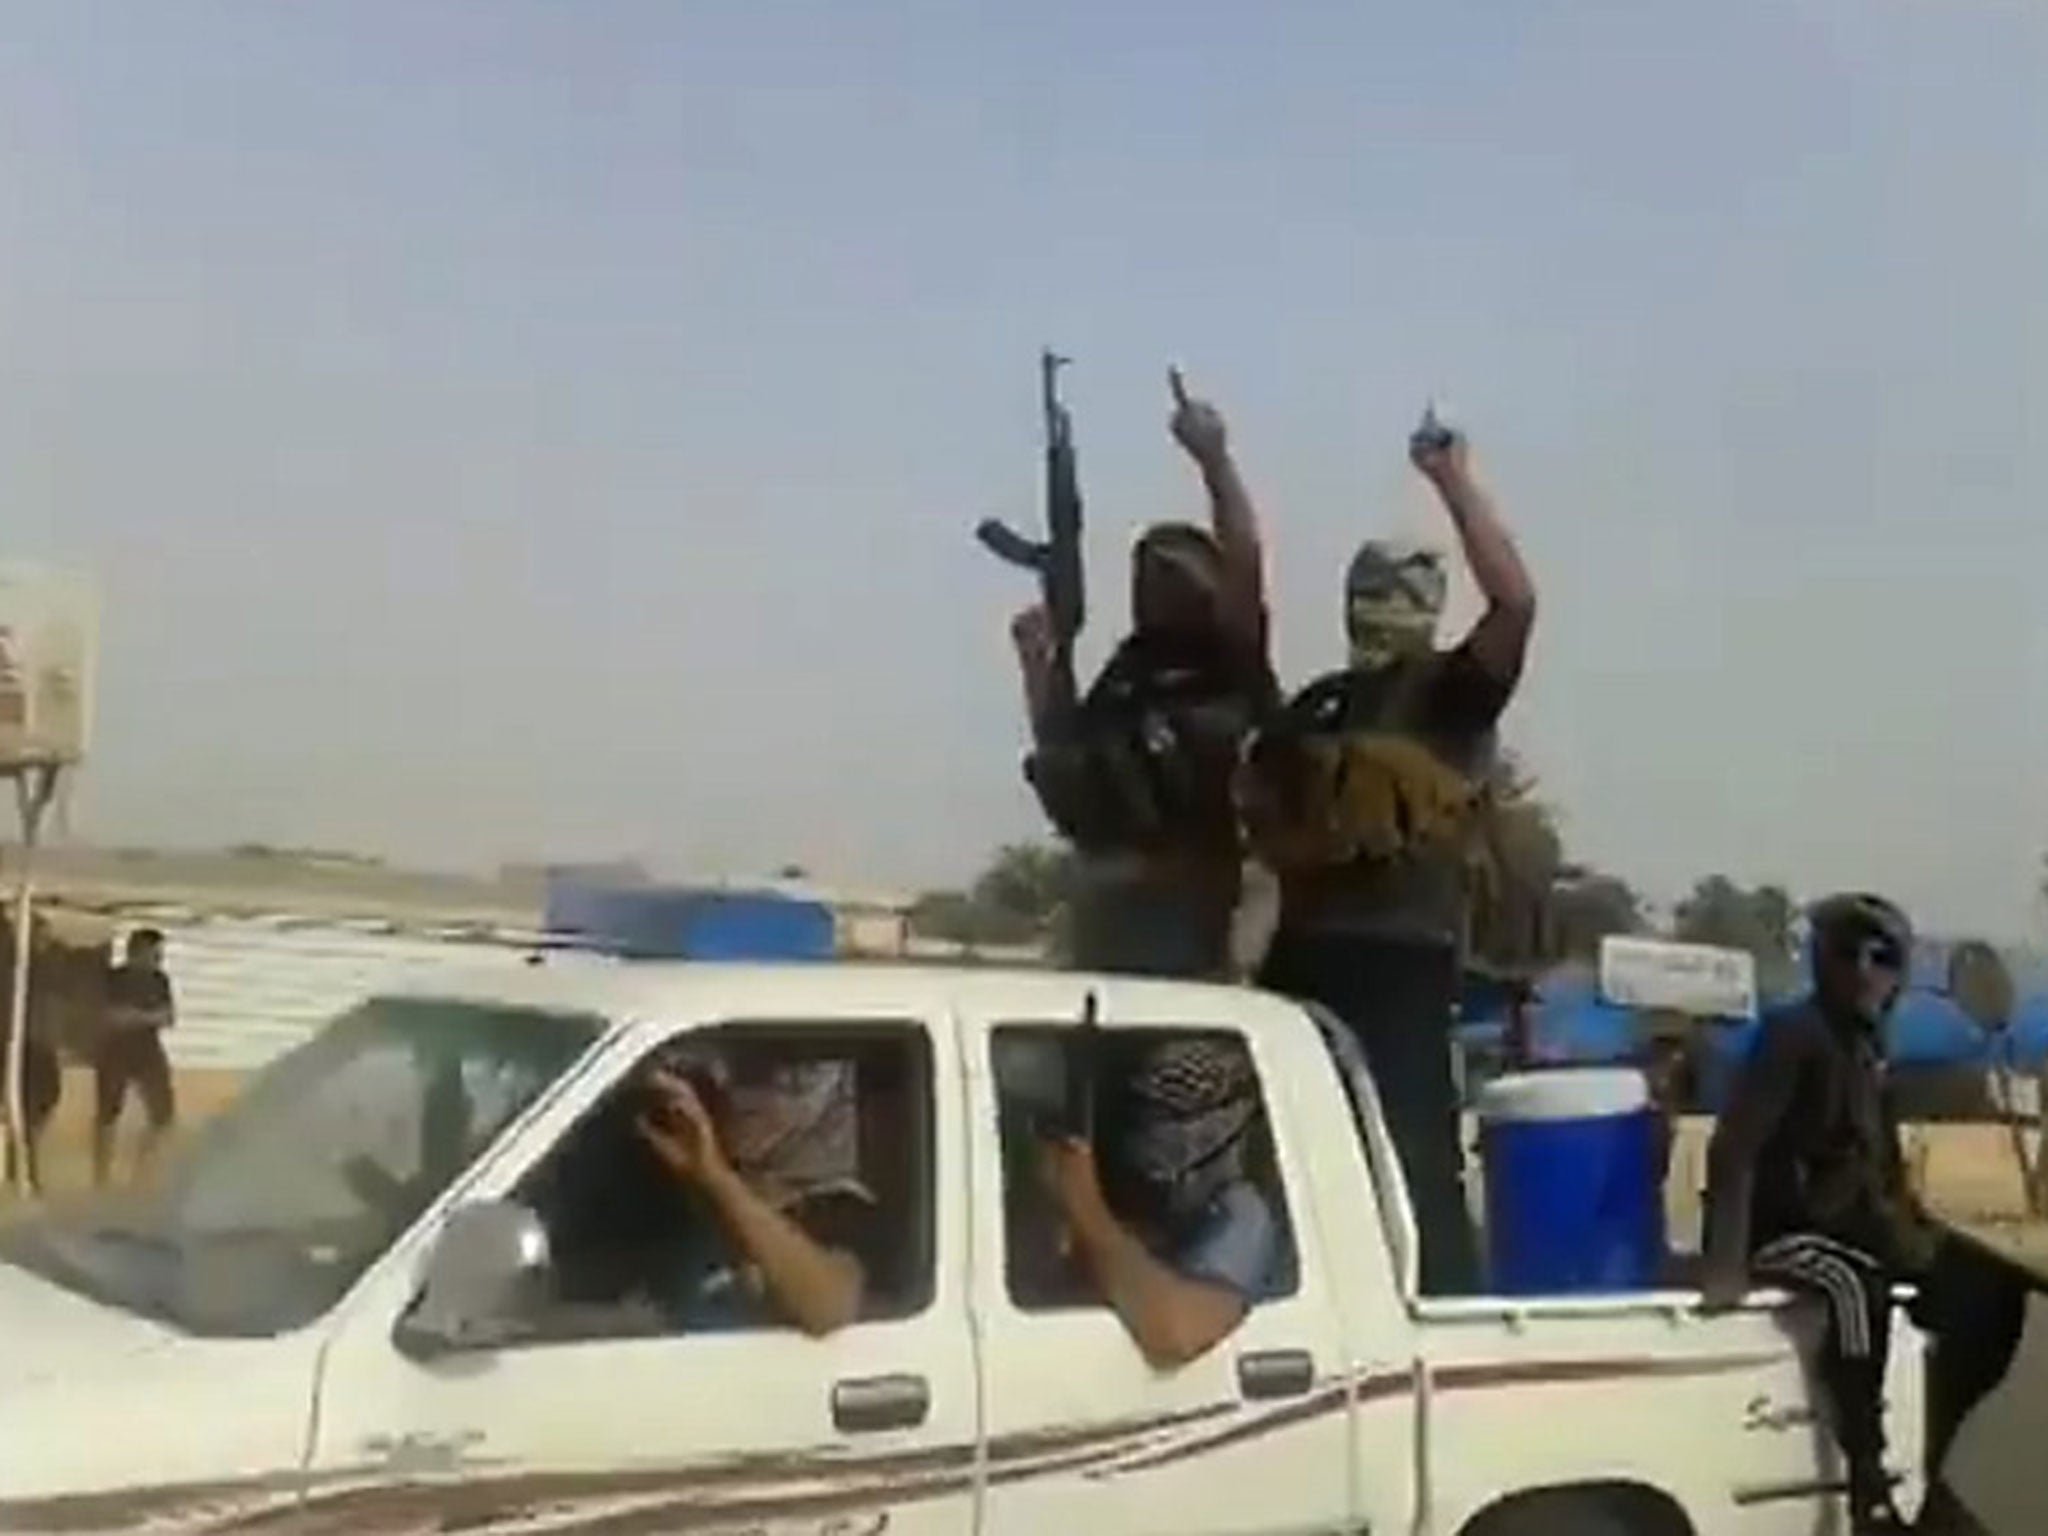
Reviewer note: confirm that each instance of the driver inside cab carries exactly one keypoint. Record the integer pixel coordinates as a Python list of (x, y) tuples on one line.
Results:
[(766, 1154)]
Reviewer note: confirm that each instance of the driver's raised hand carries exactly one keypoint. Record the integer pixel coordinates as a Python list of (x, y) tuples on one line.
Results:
[(678, 1128)]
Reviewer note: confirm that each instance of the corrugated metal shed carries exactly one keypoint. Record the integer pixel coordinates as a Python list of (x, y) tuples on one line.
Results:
[(250, 989), (251, 986)]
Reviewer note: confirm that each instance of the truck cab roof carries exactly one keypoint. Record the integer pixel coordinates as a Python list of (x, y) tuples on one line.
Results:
[(654, 994)]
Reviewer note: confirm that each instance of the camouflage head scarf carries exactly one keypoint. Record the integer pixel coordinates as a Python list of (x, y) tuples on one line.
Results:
[(1394, 594)]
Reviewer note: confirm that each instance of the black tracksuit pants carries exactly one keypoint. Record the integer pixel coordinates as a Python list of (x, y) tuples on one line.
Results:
[(1399, 999), (1971, 1305)]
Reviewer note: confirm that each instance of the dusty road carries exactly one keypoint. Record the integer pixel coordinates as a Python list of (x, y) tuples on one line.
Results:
[(2002, 1464)]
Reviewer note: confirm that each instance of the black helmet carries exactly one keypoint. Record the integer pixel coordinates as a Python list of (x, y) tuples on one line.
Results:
[(1852, 918)]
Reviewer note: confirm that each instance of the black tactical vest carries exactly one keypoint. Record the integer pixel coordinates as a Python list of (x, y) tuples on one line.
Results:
[(1147, 761), (1369, 809)]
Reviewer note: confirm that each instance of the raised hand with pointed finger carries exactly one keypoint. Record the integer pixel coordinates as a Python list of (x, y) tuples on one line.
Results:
[(1196, 424), (677, 1128)]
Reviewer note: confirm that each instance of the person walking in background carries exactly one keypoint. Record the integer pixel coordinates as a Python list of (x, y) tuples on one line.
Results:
[(1366, 796), (1138, 774), (130, 1052)]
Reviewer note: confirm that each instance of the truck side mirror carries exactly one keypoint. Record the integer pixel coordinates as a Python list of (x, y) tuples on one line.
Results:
[(482, 1278)]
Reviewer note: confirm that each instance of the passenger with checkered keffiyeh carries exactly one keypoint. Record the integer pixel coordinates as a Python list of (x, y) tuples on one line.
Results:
[(1190, 1244)]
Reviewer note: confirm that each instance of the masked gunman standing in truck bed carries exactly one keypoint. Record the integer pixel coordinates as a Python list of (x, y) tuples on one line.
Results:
[(1137, 776), (1365, 797), (1806, 1187)]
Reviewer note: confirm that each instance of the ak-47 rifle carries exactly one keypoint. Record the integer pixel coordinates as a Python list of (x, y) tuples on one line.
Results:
[(1073, 1118), (1057, 559)]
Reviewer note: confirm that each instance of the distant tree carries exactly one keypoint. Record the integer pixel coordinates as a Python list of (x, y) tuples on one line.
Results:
[(1016, 899), (1517, 860), (1777, 914), (947, 915), (1759, 921), (1026, 881), (1587, 906), (955, 917)]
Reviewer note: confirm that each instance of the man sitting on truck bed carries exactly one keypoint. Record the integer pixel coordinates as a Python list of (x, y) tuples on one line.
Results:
[(1183, 1243), (1807, 1188)]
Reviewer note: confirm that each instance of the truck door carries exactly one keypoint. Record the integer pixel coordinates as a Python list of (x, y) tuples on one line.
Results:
[(654, 1385), (1083, 1434)]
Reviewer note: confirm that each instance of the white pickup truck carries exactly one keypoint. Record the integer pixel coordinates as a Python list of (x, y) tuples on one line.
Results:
[(306, 1329)]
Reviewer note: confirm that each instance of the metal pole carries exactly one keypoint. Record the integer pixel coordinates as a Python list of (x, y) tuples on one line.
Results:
[(34, 788), (2037, 1197)]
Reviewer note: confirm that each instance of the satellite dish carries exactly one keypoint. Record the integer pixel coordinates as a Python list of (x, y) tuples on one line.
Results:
[(1981, 985)]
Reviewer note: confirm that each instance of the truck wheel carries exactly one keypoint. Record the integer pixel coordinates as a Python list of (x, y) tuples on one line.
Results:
[(1582, 1512)]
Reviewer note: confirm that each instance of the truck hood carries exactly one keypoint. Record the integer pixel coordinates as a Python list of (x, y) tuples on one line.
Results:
[(55, 1334)]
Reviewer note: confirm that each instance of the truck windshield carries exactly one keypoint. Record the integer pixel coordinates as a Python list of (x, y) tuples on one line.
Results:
[(327, 1158)]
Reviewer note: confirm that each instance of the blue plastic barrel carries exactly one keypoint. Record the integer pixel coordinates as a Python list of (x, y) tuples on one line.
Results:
[(1573, 1203)]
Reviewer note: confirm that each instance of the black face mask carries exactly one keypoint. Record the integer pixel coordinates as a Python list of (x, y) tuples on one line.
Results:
[(1873, 952), (1173, 1168), (1868, 974)]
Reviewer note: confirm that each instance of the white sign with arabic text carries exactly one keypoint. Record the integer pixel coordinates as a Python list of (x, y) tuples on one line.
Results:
[(1700, 979)]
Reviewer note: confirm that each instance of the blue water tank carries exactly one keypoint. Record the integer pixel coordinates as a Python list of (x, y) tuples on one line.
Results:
[(584, 901), (1574, 1202), (2030, 1033), (652, 922), (684, 924), (1928, 1027)]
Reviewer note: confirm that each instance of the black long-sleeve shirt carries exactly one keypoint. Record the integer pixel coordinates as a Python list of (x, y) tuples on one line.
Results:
[(1809, 1129)]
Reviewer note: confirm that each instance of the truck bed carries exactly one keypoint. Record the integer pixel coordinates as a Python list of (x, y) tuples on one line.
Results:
[(1674, 1304)]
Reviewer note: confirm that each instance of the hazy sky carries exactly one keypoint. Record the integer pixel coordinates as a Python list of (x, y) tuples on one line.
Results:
[(553, 430)]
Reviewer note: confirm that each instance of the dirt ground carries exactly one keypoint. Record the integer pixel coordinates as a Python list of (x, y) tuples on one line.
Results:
[(1965, 1171), (67, 1144)]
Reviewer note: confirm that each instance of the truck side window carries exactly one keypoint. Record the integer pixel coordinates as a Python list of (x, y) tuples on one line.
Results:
[(827, 1128), (1204, 1193)]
